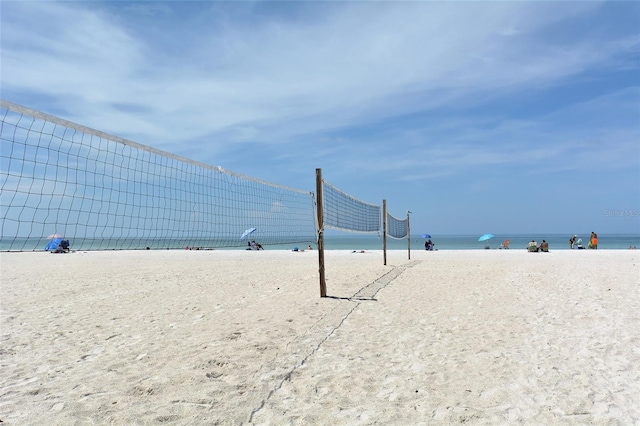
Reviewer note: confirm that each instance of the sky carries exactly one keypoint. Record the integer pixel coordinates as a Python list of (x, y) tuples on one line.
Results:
[(478, 117)]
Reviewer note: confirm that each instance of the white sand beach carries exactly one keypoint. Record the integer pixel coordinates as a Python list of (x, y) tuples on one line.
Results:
[(243, 337)]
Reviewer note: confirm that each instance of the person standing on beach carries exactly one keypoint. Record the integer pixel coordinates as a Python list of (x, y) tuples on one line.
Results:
[(572, 241), (593, 242)]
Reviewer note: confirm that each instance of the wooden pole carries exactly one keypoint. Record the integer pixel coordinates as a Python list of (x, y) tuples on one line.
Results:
[(319, 212), (408, 235), (384, 230)]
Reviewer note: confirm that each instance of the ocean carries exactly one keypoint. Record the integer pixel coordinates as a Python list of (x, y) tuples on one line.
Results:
[(346, 242), (470, 242)]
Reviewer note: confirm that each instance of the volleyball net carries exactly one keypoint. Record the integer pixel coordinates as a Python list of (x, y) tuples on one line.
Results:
[(104, 192), (397, 229), (344, 212)]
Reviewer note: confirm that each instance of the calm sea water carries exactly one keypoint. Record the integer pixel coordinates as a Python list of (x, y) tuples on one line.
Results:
[(349, 242), (470, 242)]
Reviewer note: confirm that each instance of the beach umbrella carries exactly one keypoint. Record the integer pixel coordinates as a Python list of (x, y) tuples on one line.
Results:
[(426, 236), (53, 244), (247, 232), (55, 236), (486, 237)]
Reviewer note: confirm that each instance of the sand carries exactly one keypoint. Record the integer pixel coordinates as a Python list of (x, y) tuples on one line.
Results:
[(240, 337)]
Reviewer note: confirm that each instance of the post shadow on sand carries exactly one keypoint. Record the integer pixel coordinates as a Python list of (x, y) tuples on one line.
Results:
[(364, 299), (369, 291)]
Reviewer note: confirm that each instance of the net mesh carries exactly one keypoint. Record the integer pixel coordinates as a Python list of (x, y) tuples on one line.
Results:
[(344, 212), (104, 192), (397, 228)]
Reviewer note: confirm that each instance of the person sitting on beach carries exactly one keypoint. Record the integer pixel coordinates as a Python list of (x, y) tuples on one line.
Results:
[(63, 247), (532, 247), (309, 248), (544, 246)]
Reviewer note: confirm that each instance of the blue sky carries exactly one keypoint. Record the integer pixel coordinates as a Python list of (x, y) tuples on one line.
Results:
[(501, 117)]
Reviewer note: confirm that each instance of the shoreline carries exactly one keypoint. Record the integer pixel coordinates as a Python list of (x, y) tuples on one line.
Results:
[(305, 250), (356, 241)]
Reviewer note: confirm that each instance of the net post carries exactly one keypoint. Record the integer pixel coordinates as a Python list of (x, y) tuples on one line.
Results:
[(408, 235), (384, 230), (319, 212)]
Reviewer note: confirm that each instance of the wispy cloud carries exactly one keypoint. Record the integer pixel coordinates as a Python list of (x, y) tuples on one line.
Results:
[(358, 63)]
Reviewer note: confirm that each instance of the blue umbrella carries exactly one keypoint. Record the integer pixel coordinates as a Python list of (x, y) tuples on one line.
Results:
[(246, 233), (53, 244), (486, 237), (426, 236)]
